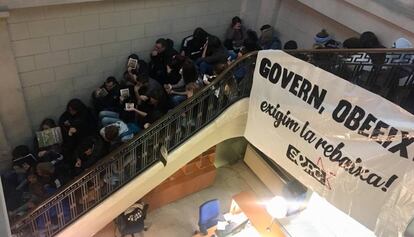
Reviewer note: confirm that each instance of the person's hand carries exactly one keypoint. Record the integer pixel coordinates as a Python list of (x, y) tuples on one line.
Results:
[(133, 77), (130, 70), (130, 109), (169, 69), (147, 125), (229, 62), (143, 97), (72, 131), (78, 163), (206, 80), (154, 53), (237, 26), (205, 44), (31, 205), (136, 90), (227, 89), (168, 88), (41, 153)]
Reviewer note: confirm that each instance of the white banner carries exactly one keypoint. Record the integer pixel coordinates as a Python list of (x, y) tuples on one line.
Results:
[(353, 147)]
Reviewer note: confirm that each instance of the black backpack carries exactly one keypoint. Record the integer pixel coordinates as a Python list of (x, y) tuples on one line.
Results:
[(132, 220)]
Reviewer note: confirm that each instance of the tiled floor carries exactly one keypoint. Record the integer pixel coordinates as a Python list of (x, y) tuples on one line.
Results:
[(179, 219)]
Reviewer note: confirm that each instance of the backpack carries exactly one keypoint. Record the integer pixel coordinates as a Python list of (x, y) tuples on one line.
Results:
[(132, 220), (134, 214)]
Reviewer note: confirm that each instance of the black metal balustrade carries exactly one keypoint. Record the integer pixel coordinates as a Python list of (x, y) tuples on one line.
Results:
[(386, 72), (133, 158)]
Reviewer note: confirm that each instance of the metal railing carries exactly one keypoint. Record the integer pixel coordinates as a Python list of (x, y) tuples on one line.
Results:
[(178, 125), (131, 159), (386, 72)]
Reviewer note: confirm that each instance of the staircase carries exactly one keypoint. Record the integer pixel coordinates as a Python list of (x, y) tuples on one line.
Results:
[(115, 182)]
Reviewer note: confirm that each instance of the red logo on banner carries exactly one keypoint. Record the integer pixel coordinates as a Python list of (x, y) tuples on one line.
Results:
[(329, 174)]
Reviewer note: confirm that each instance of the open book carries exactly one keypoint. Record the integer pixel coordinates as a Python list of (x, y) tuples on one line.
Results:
[(124, 93), (49, 137), (132, 63), (129, 106), (102, 92)]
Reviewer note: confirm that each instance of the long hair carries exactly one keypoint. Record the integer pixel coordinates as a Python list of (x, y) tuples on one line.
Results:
[(189, 71)]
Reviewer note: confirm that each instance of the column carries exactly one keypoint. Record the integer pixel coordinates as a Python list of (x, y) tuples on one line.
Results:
[(14, 120), (269, 10), (4, 219)]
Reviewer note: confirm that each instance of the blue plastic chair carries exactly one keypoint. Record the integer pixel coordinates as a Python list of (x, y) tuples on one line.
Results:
[(209, 214)]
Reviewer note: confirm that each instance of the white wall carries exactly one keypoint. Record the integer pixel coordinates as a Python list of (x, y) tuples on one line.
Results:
[(256, 13), (66, 51), (365, 15), (301, 23), (12, 4), (300, 20)]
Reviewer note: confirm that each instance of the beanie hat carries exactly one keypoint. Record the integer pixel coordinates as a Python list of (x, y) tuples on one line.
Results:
[(322, 37), (402, 43)]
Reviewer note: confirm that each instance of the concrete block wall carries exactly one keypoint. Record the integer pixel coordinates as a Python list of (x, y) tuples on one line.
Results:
[(66, 51)]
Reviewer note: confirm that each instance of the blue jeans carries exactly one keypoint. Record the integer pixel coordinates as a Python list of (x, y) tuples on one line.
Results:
[(232, 55), (176, 100), (204, 67), (108, 117), (240, 73)]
